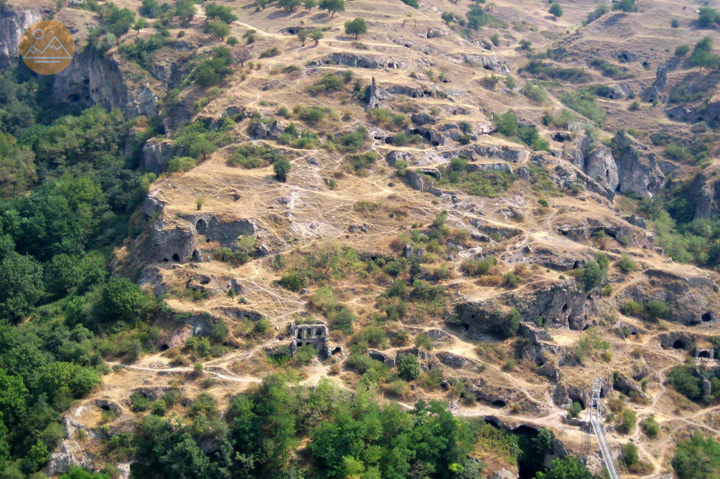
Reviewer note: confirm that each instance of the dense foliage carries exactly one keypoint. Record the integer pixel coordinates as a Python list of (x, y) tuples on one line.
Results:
[(66, 199)]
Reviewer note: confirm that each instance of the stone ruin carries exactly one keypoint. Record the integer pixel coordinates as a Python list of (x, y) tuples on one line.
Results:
[(315, 335)]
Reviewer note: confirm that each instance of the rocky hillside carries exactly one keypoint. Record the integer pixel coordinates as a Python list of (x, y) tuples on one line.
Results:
[(484, 204)]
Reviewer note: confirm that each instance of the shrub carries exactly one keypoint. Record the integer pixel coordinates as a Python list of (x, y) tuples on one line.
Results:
[(650, 427), (270, 52), (330, 82), (344, 320), (675, 23), (697, 458), (281, 168), (139, 402), (592, 275), (627, 264), (408, 367), (556, 10), (574, 410), (627, 421), (631, 308), (682, 50), (180, 164), (478, 267), (159, 407), (686, 382), (656, 309), (294, 281), (629, 454), (360, 162), (511, 280)]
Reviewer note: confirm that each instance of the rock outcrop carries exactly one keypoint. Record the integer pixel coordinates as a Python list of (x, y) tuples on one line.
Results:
[(691, 300), (488, 62), (357, 61), (13, 23), (638, 172), (595, 160), (156, 155), (705, 190), (654, 93), (97, 79)]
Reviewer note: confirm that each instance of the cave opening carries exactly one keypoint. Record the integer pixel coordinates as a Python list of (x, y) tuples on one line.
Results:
[(679, 344), (706, 318), (176, 258), (164, 347), (201, 226), (498, 403), (704, 354)]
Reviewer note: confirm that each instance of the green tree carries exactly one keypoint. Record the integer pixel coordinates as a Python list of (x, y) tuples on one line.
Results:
[(281, 168), (217, 28), (309, 4), (289, 5), (123, 300), (332, 6), (627, 421), (625, 6), (592, 275), (139, 24), (316, 35), (708, 17), (219, 12), (356, 27), (697, 458), (408, 367), (630, 454), (185, 10), (566, 468), (556, 10), (13, 398), (21, 286)]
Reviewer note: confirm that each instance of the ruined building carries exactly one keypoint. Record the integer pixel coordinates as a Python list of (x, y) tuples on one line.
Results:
[(315, 335)]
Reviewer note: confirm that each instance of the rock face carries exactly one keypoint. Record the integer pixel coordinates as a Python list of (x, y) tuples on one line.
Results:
[(691, 300), (68, 455), (223, 233), (13, 23), (560, 305), (706, 194), (156, 154), (595, 160), (507, 153), (96, 79), (637, 173), (488, 62), (178, 240), (356, 61)]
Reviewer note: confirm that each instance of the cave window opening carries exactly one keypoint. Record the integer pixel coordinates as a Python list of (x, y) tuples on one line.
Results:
[(564, 308), (706, 318), (704, 354), (176, 257), (679, 344), (165, 260)]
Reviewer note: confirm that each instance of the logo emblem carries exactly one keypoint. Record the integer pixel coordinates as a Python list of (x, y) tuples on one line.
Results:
[(47, 47)]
